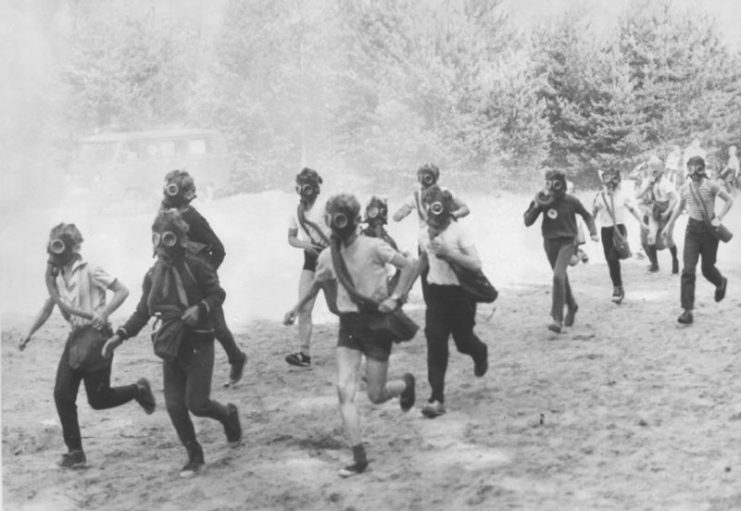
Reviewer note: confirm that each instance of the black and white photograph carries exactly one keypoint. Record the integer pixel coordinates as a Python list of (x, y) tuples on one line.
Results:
[(370, 254)]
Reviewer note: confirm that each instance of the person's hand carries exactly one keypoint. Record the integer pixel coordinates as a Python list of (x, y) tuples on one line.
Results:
[(715, 221), (313, 249), (23, 342), (440, 249), (289, 317), (100, 319), (594, 237), (110, 346), (190, 316), (665, 216), (388, 304)]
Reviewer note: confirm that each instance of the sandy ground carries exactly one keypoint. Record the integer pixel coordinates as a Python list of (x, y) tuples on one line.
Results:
[(626, 410)]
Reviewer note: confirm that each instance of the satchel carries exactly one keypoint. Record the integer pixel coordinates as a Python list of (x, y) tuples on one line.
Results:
[(719, 231), (85, 349), (395, 324), (620, 243), (475, 284), (168, 334)]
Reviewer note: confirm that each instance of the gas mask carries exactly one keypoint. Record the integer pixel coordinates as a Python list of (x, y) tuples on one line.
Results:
[(611, 180), (179, 188), (308, 191), (696, 168), (342, 215), (169, 231), (62, 242), (376, 213), (427, 175)]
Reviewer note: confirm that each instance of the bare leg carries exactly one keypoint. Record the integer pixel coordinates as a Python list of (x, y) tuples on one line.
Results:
[(305, 325), (348, 366)]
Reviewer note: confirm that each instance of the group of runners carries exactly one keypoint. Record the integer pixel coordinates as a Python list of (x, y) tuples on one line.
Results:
[(349, 256)]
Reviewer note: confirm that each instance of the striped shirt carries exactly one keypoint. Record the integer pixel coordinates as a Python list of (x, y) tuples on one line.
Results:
[(708, 190)]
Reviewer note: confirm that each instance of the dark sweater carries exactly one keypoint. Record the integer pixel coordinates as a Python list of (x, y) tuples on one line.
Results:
[(201, 232), (559, 218), (205, 292)]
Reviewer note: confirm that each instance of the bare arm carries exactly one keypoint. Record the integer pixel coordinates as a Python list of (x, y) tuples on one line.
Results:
[(120, 293), (461, 209), (402, 213), (309, 295), (38, 321), (727, 203), (681, 203), (406, 279), (294, 241)]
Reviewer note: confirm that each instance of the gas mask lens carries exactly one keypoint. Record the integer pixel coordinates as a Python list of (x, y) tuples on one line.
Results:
[(555, 185), (428, 178), (305, 189), (373, 212), (167, 238), (172, 189), (57, 246), (436, 208)]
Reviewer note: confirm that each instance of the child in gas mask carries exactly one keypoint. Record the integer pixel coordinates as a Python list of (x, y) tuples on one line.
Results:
[(428, 175), (366, 260), (179, 191), (307, 231), (609, 208), (186, 283), (659, 196), (449, 309), (697, 196), (79, 288), (559, 240)]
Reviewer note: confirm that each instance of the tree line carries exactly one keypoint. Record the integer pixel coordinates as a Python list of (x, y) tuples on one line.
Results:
[(379, 87)]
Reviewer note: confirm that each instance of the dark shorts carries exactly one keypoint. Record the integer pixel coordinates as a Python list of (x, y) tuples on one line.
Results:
[(310, 260), (355, 335)]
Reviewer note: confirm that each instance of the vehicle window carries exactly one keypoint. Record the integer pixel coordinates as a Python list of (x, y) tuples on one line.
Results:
[(197, 146), (167, 149), (97, 153)]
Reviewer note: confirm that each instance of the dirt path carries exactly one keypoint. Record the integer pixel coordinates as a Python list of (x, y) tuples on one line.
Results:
[(626, 410)]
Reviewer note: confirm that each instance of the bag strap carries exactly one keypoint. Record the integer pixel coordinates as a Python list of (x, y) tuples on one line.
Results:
[(343, 275), (698, 197), (306, 223), (607, 207)]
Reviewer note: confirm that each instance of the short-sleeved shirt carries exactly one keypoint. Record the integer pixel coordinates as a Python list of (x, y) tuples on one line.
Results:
[(707, 191), (314, 214), (453, 236), (366, 260), (84, 288), (622, 205), (664, 190)]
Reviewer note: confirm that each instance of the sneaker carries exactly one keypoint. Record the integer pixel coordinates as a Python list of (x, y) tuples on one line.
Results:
[(570, 314), (481, 365), (617, 295), (653, 268), (433, 409), (583, 257), (235, 373), (686, 318), (232, 427), (299, 359), (195, 462), (73, 459), (356, 468), (407, 397), (675, 266), (145, 398), (555, 327), (720, 292)]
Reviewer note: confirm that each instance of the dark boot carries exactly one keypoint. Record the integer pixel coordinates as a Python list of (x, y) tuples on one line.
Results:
[(652, 257), (195, 460), (675, 261)]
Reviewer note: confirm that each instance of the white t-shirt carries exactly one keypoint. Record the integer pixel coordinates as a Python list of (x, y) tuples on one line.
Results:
[(414, 202), (366, 259), (622, 202), (314, 214), (454, 236), (664, 190), (84, 288)]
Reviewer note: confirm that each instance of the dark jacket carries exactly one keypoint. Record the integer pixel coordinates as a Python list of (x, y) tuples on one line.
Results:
[(201, 232), (559, 218), (204, 291)]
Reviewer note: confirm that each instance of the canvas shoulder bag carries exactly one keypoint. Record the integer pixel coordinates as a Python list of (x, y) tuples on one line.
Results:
[(619, 241)]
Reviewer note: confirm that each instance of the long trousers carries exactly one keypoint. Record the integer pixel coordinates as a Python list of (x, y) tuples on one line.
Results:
[(449, 312), (698, 242), (611, 254), (559, 252), (100, 395), (187, 381)]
